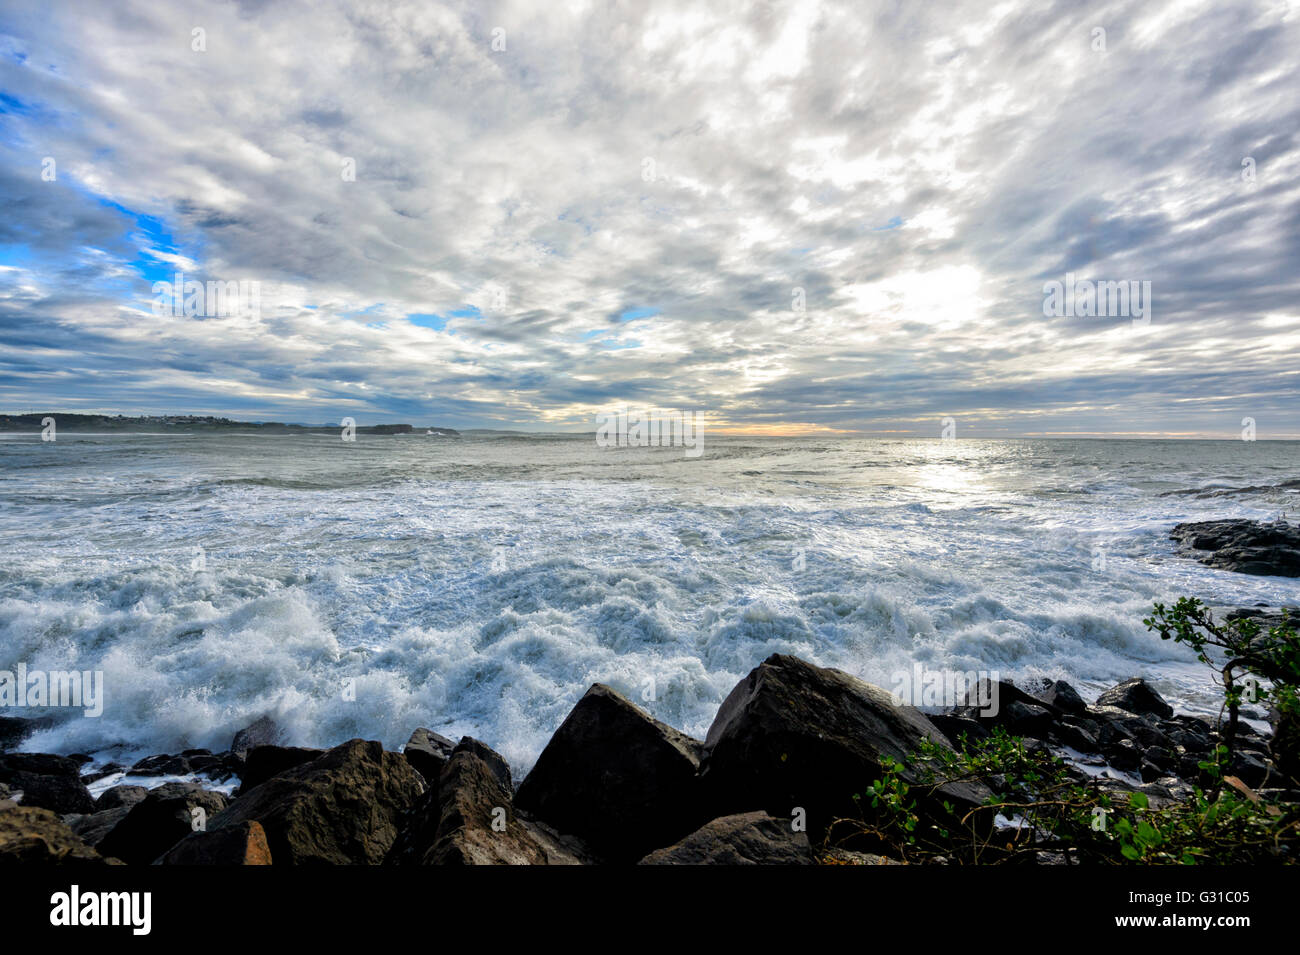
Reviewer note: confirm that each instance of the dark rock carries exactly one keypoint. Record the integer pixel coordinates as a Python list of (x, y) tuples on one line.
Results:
[(120, 796), (428, 753), (1064, 697), (160, 820), (263, 762), (108, 769), (989, 695), (94, 827), (15, 729), (47, 782), (751, 838), (468, 819), (263, 731), (32, 836), (1136, 696), (1074, 736), (1027, 719), (1250, 769), (1244, 546), (241, 844), (954, 727), (793, 735), (617, 778), (344, 807), (1125, 755), (495, 761)]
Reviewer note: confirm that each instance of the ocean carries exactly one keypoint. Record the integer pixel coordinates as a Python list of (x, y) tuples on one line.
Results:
[(478, 585)]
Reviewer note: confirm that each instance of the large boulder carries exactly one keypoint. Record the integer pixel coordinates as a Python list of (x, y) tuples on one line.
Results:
[(1136, 696), (793, 736), (469, 819), (32, 836), (344, 807), (47, 782), (263, 731), (1244, 546), (751, 838), (428, 752), (160, 820), (617, 778), (242, 844)]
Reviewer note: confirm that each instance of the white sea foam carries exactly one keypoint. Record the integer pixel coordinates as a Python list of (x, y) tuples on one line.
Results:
[(479, 586)]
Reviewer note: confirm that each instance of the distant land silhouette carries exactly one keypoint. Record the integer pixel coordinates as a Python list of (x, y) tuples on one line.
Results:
[(183, 423)]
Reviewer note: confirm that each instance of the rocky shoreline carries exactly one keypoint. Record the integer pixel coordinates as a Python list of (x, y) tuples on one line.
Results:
[(789, 749)]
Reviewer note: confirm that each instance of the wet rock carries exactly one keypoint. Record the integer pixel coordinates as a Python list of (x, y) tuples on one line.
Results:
[(15, 729), (1136, 696), (617, 778), (1243, 546), (1063, 697), (751, 838), (428, 752), (263, 731)]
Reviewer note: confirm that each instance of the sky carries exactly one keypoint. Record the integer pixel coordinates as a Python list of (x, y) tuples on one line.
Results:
[(789, 218)]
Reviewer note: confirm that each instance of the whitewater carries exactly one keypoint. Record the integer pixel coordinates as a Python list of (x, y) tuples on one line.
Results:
[(478, 585)]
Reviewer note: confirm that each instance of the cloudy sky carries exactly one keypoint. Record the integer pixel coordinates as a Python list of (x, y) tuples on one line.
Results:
[(790, 217)]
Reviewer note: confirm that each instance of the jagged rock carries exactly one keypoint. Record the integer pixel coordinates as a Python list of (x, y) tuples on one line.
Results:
[(469, 819), (344, 807), (240, 844), (1136, 696), (617, 778), (263, 731), (108, 769), (1244, 546), (428, 752), (796, 736), (15, 729), (263, 762), (160, 820), (953, 727), (120, 796), (750, 838), (1064, 697), (94, 827), (47, 782), (32, 836), (495, 761)]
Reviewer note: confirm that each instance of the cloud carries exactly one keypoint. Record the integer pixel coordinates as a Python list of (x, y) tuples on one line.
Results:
[(832, 216)]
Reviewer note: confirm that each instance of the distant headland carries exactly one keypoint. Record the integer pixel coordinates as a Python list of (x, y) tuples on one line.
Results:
[(103, 423)]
